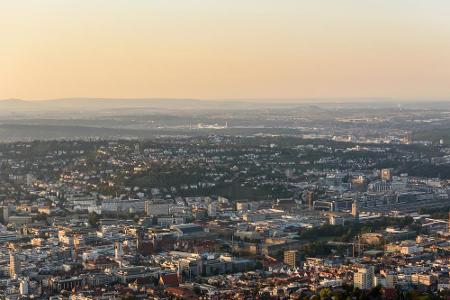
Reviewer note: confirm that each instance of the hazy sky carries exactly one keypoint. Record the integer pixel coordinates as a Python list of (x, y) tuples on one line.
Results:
[(224, 48)]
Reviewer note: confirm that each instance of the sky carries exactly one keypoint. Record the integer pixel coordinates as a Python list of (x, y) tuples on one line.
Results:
[(225, 49)]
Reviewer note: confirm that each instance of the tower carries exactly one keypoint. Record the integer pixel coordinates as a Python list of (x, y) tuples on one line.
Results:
[(391, 281), (310, 199), (363, 279), (4, 214), (23, 287), (355, 210), (291, 258), (14, 265), (29, 179), (118, 251), (139, 240), (212, 210)]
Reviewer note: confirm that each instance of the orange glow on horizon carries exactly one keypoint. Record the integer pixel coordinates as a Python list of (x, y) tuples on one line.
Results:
[(224, 49)]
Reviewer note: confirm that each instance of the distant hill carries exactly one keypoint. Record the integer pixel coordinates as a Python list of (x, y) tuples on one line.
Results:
[(157, 105), (110, 105)]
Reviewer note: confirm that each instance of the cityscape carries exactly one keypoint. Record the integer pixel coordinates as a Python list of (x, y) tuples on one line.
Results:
[(224, 212), (224, 150)]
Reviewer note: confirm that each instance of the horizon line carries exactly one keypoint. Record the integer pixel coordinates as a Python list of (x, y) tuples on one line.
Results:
[(251, 100)]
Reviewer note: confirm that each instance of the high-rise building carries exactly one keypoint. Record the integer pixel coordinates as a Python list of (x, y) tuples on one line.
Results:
[(23, 287), (355, 210), (291, 258), (30, 179), (212, 210), (118, 251), (14, 265), (4, 214), (310, 199), (137, 149), (391, 281), (363, 279), (139, 238), (289, 173)]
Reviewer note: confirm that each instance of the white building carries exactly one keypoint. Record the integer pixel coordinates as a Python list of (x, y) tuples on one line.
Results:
[(23, 287), (156, 208), (212, 210)]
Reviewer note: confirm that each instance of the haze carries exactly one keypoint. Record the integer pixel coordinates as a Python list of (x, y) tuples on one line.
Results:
[(224, 49)]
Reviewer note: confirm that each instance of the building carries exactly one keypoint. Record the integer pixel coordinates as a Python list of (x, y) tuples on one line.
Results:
[(391, 281), (14, 265), (363, 279), (310, 199), (156, 209), (385, 174), (423, 279), (169, 280), (137, 149), (118, 251), (4, 214), (291, 258), (126, 205), (285, 204), (29, 179), (167, 221), (410, 249), (190, 267), (58, 284), (212, 210), (339, 218), (20, 220), (242, 206), (132, 273), (23, 287), (355, 210), (187, 230)]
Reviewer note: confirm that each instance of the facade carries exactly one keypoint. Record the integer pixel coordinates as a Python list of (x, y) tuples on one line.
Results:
[(118, 251), (291, 258), (156, 209), (212, 210), (184, 230), (355, 210), (385, 174), (4, 214), (363, 279), (14, 265)]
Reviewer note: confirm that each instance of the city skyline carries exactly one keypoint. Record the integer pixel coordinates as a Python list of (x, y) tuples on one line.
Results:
[(234, 149)]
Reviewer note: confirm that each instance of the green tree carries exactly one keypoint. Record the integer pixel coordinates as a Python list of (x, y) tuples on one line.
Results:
[(93, 219), (325, 293)]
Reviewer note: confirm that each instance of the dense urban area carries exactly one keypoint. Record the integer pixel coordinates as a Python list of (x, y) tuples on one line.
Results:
[(343, 207)]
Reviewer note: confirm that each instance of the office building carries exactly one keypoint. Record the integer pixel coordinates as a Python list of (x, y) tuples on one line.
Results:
[(363, 279), (355, 210), (118, 251), (291, 258), (14, 265)]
